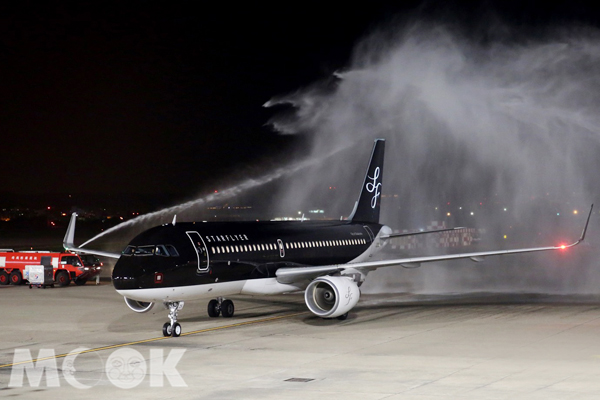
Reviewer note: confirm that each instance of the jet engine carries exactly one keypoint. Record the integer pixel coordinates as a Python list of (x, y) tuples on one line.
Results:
[(138, 306), (331, 296)]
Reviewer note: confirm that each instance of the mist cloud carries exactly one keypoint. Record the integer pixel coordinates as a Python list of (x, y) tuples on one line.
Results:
[(509, 123)]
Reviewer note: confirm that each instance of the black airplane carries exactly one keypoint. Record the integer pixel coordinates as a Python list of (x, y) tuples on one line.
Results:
[(328, 260)]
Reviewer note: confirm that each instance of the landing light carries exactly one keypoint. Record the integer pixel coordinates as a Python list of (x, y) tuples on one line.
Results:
[(563, 246)]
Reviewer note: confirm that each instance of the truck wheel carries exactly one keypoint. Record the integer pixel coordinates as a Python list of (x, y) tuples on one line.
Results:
[(16, 278), (80, 282), (62, 278), (4, 279)]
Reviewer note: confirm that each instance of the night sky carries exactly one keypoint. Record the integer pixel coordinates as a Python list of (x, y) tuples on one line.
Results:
[(166, 98)]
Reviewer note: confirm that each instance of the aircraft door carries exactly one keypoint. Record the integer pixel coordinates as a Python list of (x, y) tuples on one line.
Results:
[(203, 258), (281, 248)]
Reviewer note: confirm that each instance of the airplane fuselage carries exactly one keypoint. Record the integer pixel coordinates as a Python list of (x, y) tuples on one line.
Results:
[(196, 260)]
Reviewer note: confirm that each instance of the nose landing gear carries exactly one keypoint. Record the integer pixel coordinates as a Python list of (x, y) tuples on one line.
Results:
[(219, 306), (172, 328)]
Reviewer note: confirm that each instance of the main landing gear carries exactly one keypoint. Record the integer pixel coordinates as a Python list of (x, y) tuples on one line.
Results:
[(219, 306), (172, 328)]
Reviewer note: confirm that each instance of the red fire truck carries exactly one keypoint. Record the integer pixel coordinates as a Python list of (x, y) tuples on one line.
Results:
[(66, 267)]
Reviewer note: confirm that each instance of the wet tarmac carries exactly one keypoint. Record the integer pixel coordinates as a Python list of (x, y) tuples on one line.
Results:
[(392, 346)]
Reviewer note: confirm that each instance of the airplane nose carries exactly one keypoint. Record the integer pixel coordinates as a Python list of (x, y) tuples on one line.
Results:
[(125, 275)]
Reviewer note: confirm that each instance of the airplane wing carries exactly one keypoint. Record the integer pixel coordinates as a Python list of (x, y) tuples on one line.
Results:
[(70, 236), (291, 275)]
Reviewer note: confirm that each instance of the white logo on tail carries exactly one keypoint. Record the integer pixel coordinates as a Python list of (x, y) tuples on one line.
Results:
[(374, 187)]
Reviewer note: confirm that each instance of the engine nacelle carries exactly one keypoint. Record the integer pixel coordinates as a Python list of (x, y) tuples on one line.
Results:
[(139, 306), (331, 296)]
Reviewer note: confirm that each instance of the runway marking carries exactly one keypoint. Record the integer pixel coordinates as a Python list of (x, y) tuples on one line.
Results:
[(115, 346)]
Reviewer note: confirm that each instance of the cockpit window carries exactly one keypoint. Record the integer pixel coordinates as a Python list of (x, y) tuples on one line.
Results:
[(129, 251), (159, 250), (144, 250), (172, 250)]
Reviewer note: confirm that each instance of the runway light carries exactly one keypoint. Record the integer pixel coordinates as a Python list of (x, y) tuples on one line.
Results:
[(472, 213), (575, 212), (448, 214), (504, 236)]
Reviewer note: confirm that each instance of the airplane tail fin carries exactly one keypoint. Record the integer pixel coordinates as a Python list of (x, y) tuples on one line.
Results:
[(368, 205)]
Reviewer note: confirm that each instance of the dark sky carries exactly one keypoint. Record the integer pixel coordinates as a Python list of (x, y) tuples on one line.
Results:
[(147, 97)]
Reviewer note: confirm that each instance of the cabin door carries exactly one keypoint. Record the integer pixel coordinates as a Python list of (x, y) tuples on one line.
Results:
[(203, 259)]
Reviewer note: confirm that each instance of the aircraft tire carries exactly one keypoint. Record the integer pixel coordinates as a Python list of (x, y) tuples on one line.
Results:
[(343, 317), (227, 308), (213, 308), (167, 329), (176, 331)]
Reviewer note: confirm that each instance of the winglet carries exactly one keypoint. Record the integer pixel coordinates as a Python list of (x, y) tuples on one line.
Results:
[(68, 241), (586, 225)]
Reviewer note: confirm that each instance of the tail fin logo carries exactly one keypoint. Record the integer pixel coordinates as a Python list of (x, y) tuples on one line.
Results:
[(374, 187)]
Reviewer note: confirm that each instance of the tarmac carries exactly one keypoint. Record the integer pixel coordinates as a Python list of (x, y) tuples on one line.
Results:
[(393, 346)]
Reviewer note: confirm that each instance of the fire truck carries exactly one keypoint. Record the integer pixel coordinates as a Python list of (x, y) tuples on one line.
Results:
[(66, 267)]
